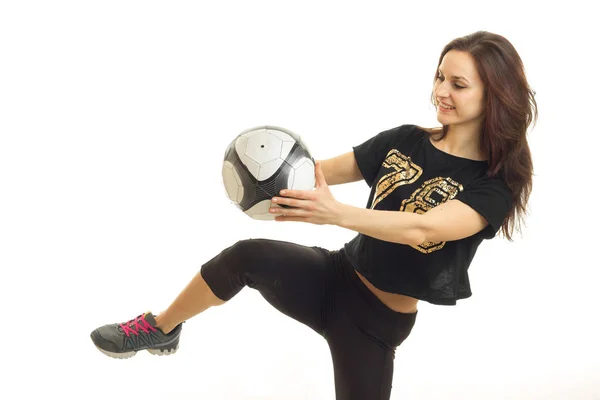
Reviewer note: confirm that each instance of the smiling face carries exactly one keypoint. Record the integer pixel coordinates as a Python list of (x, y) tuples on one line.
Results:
[(458, 85)]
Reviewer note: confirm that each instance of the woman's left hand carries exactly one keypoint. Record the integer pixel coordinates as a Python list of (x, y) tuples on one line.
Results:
[(316, 206)]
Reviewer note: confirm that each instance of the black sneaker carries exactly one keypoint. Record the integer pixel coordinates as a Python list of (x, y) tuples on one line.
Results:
[(126, 339)]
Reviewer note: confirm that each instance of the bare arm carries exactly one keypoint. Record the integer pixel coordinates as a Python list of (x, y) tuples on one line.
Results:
[(341, 169), (453, 220)]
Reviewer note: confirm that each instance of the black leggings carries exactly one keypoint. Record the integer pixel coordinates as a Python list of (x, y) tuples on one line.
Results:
[(319, 288)]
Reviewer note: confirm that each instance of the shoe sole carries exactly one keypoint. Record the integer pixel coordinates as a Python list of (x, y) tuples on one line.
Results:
[(129, 354)]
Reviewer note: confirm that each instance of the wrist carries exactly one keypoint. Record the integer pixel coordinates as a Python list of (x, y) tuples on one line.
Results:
[(341, 214)]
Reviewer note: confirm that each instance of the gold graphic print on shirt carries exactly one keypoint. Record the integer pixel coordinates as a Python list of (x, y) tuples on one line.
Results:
[(431, 193), (405, 172)]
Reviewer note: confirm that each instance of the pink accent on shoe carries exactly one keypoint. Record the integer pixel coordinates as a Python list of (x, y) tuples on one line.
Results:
[(138, 323)]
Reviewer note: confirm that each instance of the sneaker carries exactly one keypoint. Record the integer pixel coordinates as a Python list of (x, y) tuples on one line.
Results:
[(126, 339)]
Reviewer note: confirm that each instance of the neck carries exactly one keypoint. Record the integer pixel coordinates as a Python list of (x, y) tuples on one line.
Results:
[(463, 142)]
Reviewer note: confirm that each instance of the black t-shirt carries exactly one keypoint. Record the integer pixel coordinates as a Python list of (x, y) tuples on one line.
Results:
[(406, 172)]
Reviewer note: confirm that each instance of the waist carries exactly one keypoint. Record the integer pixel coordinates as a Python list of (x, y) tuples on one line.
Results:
[(394, 301)]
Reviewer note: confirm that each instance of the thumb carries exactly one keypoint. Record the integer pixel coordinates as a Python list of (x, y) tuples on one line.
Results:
[(320, 177)]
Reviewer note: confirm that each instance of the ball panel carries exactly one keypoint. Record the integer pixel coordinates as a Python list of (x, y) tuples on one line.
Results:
[(248, 131), (286, 148), (240, 195), (269, 187), (260, 162), (261, 211), (281, 180), (269, 168), (304, 176), (236, 175), (255, 193), (304, 147), (297, 156), (251, 165), (230, 182), (290, 178), (240, 145), (263, 147), (283, 132), (247, 183), (281, 135)]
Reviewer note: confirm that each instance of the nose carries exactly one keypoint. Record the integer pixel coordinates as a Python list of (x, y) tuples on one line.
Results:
[(442, 91)]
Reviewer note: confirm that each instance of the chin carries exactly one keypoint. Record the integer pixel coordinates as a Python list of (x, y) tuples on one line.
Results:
[(443, 119)]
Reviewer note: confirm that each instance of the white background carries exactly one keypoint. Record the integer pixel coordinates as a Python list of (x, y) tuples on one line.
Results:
[(114, 117)]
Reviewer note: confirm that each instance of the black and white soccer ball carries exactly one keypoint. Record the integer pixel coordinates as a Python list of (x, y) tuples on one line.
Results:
[(260, 162)]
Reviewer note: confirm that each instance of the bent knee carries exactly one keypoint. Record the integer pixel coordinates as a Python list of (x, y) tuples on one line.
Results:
[(245, 248), (244, 252)]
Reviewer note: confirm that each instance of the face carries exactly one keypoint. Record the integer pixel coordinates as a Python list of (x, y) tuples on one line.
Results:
[(458, 85)]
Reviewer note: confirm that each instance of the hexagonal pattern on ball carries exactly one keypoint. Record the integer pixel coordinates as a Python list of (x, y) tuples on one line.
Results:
[(261, 211), (262, 161), (263, 147), (231, 181), (304, 176)]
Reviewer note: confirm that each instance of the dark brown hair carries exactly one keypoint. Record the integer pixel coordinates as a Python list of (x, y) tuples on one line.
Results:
[(509, 110)]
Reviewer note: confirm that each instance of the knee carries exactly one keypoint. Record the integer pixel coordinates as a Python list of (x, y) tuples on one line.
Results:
[(245, 247), (231, 260), (242, 253), (244, 256), (232, 269)]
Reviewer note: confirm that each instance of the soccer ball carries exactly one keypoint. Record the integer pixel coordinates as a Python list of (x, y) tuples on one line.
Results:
[(260, 162)]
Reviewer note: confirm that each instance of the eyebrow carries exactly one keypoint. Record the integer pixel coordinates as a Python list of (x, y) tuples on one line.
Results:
[(455, 76)]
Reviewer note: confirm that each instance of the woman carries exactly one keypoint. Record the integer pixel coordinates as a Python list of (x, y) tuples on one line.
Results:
[(435, 195)]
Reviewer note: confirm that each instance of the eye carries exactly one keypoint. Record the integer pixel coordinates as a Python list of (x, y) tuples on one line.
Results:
[(441, 78)]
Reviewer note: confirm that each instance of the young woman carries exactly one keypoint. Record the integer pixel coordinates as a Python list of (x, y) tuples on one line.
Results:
[(436, 194)]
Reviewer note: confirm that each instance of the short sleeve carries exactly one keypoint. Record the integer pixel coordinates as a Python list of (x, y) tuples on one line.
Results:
[(370, 154), (491, 198)]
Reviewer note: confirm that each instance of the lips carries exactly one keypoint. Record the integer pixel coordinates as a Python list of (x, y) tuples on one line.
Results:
[(447, 105)]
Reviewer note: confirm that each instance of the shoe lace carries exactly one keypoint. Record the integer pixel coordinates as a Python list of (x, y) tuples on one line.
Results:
[(135, 325)]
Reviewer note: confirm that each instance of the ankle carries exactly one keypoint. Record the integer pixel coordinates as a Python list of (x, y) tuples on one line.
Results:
[(162, 324)]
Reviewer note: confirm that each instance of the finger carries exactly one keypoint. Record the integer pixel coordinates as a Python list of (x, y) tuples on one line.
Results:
[(298, 194), (289, 212), (292, 219), (320, 177), (290, 201)]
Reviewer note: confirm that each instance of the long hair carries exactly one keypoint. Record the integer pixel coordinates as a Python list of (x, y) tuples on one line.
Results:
[(510, 109)]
